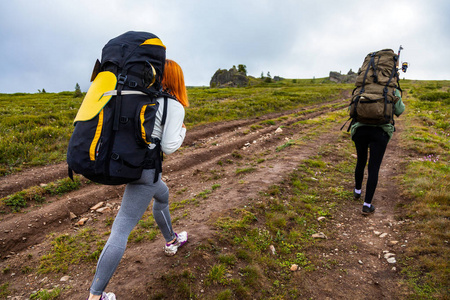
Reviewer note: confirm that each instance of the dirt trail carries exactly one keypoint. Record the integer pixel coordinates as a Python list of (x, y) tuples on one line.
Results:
[(357, 242)]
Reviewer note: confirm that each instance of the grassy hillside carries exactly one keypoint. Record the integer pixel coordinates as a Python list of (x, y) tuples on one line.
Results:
[(35, 129)]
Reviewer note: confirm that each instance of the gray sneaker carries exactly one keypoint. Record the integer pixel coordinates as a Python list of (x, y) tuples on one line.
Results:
[(107, 296), (171, 249)]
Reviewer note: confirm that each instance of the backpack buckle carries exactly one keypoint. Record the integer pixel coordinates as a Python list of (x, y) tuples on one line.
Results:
[(121, 79), (115, 156)]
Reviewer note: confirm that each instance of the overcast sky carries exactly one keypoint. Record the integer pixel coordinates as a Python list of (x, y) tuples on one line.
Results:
[(53, 44)]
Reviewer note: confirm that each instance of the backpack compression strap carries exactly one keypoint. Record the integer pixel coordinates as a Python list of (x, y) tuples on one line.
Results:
[(371, 64), (385, 91), (121, 79)]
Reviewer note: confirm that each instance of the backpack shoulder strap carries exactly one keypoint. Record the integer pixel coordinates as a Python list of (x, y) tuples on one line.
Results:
[(370, 65), (164, 116), (166, 97)]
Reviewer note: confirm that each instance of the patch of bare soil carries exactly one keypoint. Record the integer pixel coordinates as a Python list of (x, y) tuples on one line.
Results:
[(356, 243)]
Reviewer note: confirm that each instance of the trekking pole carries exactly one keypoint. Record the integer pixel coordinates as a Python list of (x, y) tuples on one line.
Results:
[(398, 55), (404, 64)]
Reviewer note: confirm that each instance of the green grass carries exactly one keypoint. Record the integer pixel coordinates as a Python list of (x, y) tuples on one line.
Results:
[(4, 290), (70, 250), (283, 218), (236, 262), (145, 230), (46, 294), (285, 215), (36, 194), (425, 179), (35, 128)]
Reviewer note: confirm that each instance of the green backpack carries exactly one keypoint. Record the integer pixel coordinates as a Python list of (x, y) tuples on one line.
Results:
[(374, 97)]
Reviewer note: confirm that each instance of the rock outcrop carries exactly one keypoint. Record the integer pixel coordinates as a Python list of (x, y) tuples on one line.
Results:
[(228, 78), (340, 78)]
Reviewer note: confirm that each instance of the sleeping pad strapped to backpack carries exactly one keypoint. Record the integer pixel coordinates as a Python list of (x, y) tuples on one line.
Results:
[(111, 140), (374, 97)]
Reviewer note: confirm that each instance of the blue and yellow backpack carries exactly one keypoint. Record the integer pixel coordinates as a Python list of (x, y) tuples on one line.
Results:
[(111, 142)]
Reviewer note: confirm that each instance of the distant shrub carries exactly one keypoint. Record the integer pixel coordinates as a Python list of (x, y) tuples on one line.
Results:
[(77, 92), (436, 96)]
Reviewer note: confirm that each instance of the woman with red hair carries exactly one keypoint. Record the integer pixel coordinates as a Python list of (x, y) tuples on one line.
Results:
[(168, 133)]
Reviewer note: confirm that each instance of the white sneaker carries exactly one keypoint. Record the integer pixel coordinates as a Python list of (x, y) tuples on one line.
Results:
[(108, 296), (171, 249)]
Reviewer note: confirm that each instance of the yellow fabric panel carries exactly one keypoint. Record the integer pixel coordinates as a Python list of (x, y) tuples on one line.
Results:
[(154, 41), (94, 101), (142, 120), (97, 135)]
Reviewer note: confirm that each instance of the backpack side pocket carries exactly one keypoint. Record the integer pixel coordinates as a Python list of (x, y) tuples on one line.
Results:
[(145, 122)]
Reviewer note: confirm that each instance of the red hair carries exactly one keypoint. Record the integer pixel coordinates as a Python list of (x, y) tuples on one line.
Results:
[(173, 82)]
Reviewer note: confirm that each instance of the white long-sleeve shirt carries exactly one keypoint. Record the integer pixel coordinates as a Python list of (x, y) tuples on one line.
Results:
[(171, 134)]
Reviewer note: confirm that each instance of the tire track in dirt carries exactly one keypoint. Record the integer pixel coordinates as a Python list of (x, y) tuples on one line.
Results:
[(45, 174), (198, 153), (235, 191), (192, 171)]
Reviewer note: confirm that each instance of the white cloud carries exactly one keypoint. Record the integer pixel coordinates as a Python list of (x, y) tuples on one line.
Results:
[(53, 44)]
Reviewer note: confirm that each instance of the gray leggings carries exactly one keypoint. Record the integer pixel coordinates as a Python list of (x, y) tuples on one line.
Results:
[(136, 198)]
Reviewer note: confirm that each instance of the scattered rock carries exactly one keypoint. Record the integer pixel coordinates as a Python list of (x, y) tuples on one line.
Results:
[(65, 278), (388, 255), (82, 221), (72, 215), (393, 243), (319, 235), (103, 210), (391, 260), (360, 262), (279, 130), (97, 206), (321, 218), (294, 267), (377, 232), (383, 235), (272, 250)]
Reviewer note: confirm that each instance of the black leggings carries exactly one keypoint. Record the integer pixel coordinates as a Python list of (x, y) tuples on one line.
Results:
[(376, 139)]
